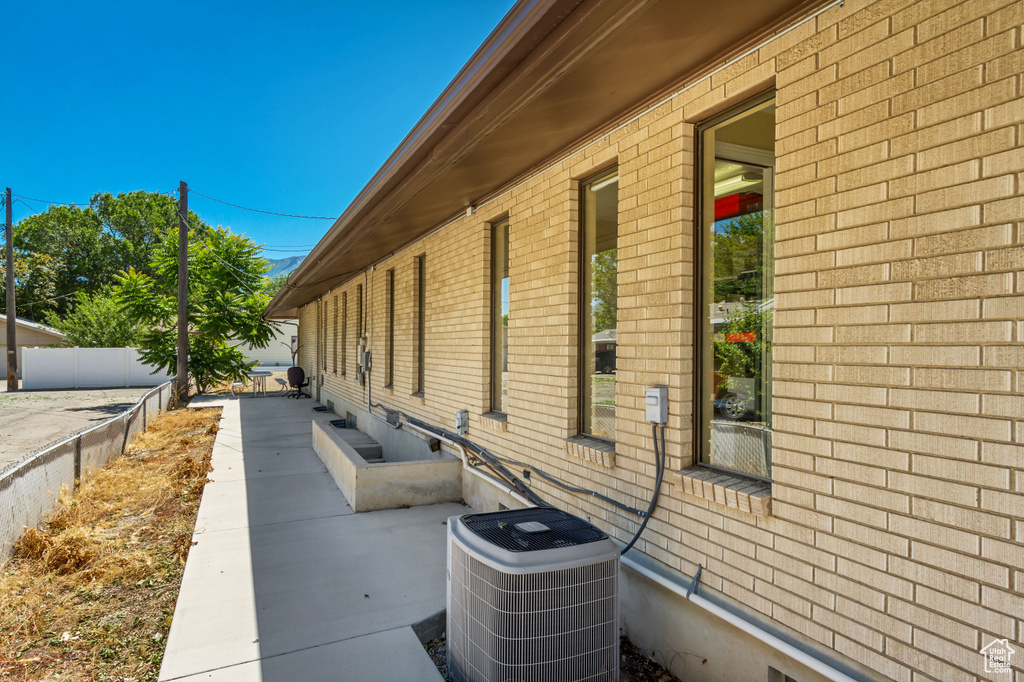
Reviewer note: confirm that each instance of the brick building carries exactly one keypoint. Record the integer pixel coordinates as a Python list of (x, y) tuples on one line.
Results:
[(805, 220)]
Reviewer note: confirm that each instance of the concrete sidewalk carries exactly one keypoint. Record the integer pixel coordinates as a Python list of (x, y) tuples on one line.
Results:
[(286, 583)]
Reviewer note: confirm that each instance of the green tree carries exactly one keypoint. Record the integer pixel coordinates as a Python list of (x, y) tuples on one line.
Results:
[(88, 247), (739, 263), (606, 289), (742, 346), (35, 284), (271, 285), (97, 320), (225, 304)]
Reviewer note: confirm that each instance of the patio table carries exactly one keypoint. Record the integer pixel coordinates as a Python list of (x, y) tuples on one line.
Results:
[(259, 381)]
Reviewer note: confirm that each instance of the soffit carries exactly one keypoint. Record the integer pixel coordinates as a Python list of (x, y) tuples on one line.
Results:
[(583, 65)]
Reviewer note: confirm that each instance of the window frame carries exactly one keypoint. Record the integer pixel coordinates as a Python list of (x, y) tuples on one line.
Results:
[(389, 288), (585, 337), (700, 383), (344, 332), (421, 324), (497, 358)]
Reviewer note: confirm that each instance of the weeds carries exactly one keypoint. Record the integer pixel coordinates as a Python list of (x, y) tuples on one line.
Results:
[(90, 597)]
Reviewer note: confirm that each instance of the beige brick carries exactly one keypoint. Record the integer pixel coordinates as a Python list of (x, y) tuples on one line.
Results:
[(874, 416), (949, 310), (961, 471), (966, 403), (1005, 259), (865, 395), (844, 277), (855, 433), (976, 147), (948, 356), (962, 517), (936, 223), (938, 266), (880, 662), (933, 488), (883, 581), (963, 332), (1009, 553), (937, 579), (970, 285), (852, 355), (875, 314), (1011, 504), (956, 424), (964, 611), (937, 623), (964, 240), (880, 457), (1002, 454), (941, 90), (870, 334), (960, 448), (963, 379), (877, 293), (935, 534), (881, 376)]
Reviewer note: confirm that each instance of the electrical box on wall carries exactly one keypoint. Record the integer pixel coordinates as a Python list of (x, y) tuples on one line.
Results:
[(462, 422), (656, 401)]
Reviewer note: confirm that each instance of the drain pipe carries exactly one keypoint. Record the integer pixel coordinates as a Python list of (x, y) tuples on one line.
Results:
[(783, 647), (505, 488)]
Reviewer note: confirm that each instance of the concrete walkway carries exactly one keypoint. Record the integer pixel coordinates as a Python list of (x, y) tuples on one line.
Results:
[(285, 582)]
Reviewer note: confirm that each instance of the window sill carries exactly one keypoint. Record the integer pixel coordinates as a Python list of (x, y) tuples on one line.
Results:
[(744, 494), (592, 450), (495, 421), (418, 397), (389, 390)]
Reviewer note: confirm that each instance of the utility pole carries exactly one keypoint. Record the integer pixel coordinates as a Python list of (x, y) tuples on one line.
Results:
[(181, 382), (12, 319)]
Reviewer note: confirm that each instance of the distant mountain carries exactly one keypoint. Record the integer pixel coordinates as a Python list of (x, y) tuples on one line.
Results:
[(283, 266)]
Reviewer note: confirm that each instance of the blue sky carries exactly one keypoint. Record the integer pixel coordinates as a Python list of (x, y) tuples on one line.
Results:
[(286, 107)]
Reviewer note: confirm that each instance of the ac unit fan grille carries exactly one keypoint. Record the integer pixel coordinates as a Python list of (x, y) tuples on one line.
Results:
[(565, 530), (553, 625)]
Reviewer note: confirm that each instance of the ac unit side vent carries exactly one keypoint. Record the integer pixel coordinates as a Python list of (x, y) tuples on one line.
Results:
[(510, 529)]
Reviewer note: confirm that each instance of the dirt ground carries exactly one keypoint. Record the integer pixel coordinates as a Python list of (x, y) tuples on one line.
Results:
[(32, 420)]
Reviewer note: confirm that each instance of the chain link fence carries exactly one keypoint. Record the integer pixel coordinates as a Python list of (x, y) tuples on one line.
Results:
[(29, 490)]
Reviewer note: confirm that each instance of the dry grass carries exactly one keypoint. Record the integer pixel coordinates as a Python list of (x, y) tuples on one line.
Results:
[(91, 596)]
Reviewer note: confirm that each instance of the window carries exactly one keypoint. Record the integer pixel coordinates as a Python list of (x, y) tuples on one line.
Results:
[(390, 292), (359, 314), (323, 335), (421, 319), (599, 303), (334, 335), (499, 316), (737, 292), (344, 332)]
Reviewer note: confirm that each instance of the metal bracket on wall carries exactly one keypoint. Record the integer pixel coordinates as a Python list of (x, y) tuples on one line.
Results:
[(695, 583)]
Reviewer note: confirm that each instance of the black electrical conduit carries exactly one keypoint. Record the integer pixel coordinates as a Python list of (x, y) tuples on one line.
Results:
[(495, 464)]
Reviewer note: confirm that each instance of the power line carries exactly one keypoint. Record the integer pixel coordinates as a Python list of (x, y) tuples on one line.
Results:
[(52, 203), (256, 210), (45, 300)]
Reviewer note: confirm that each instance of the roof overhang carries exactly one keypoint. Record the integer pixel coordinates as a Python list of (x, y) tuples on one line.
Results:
[(552, 73)]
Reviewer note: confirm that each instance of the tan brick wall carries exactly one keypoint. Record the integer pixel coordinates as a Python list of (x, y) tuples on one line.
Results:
[(897, 520)]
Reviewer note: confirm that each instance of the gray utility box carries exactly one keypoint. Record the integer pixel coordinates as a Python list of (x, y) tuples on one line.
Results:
[(532, 595)]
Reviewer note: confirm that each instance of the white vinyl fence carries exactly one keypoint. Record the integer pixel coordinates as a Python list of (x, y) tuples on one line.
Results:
[(30, 488), (56, 368)]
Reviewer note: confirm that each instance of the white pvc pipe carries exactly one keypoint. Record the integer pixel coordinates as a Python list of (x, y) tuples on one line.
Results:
[(746, 626)]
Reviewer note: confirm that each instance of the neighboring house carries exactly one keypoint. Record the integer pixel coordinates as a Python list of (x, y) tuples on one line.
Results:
[(28, 335), (847, 178), (279, 351)]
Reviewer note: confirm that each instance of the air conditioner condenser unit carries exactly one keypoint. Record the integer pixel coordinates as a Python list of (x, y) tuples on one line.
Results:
[(532, 596)]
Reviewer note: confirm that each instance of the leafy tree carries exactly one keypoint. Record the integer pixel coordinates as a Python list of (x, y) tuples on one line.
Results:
[(739, 261), (225, 304), (88, 247), (271, 285), (97, 320), (606, 289), (35, 283), (742, 344)]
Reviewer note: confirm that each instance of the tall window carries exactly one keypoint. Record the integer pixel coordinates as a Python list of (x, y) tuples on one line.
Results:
[(344, 332), (599, 303), (421, 320), (359, 314), (738, 296), (323, 334), (334, 335), (390, 371), (499, 316)]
